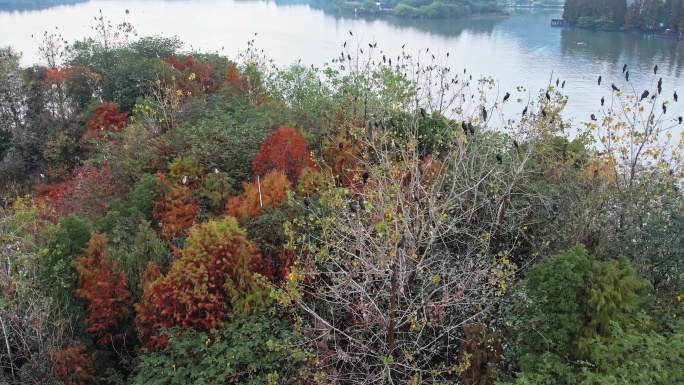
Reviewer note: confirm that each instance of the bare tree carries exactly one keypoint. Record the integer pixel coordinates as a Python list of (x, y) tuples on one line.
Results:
[(414, 242)]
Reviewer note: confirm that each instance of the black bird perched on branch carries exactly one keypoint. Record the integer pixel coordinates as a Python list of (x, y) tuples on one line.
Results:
[(548, 97), (423, 113), (471, 128), (341, 146), (564, 150), (655, 69), (506, 96), (465, 127), (350, 33), (563, 84), (349, 56), (306, 202), (615, 88), (484, 113), (664, 108), (362, 205), (499, 158), (624, 68), (653, 96), (515, 144), (524, 111), (627, 76), (365, 177), (593, 117), (603, 100), (680, 120), (352, 207), (557, 81), (644, 95), (384, 59), (599, 80), (543, 111), (675, 96), (401, 243)]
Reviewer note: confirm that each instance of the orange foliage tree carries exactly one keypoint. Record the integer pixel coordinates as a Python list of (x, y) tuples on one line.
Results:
[(270, 191), (212, 276), (104, 288), (481, 349), (174, 208), (71, 367), (234, 79), (284, 150), (344, 154)]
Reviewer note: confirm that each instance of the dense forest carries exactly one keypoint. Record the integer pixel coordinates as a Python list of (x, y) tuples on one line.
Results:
[(172, 217), (657, 15)]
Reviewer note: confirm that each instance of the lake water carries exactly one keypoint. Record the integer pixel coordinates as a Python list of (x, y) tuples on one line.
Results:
[(519, 50)]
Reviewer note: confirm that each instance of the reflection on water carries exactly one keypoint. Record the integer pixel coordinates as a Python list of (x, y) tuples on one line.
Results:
[(449, 28), (518, 50)]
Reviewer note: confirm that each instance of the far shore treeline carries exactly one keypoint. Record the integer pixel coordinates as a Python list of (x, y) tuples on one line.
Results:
[(175, 217)]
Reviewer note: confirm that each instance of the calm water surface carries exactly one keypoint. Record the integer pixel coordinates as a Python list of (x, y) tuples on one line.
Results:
[(518, 50)]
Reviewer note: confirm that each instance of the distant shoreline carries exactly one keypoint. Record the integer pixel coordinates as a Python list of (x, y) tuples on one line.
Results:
[(33, 5)]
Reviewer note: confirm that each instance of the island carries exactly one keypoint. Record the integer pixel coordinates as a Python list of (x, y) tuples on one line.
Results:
[(412, 9)]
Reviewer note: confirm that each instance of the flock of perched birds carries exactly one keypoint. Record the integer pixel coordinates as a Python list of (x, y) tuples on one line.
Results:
[(644, 94), (469, 129)]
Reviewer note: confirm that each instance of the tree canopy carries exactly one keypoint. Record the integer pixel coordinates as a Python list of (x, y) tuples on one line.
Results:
[(184, 217)]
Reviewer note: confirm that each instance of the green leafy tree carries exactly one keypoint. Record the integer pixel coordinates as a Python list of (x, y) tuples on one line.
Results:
[(634, 356), (69, 239), (257, 349), (567, 314)]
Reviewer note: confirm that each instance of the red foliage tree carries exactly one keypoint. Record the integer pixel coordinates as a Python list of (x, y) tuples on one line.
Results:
[(71, 367), (87, 194), (284, 150), (270, 191), (105, 120), (211, 277), (197, 76), (104, 288), (174, 208)]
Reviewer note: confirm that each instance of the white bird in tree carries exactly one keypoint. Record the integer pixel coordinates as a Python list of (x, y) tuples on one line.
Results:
[(185, 179), (216, 170)]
